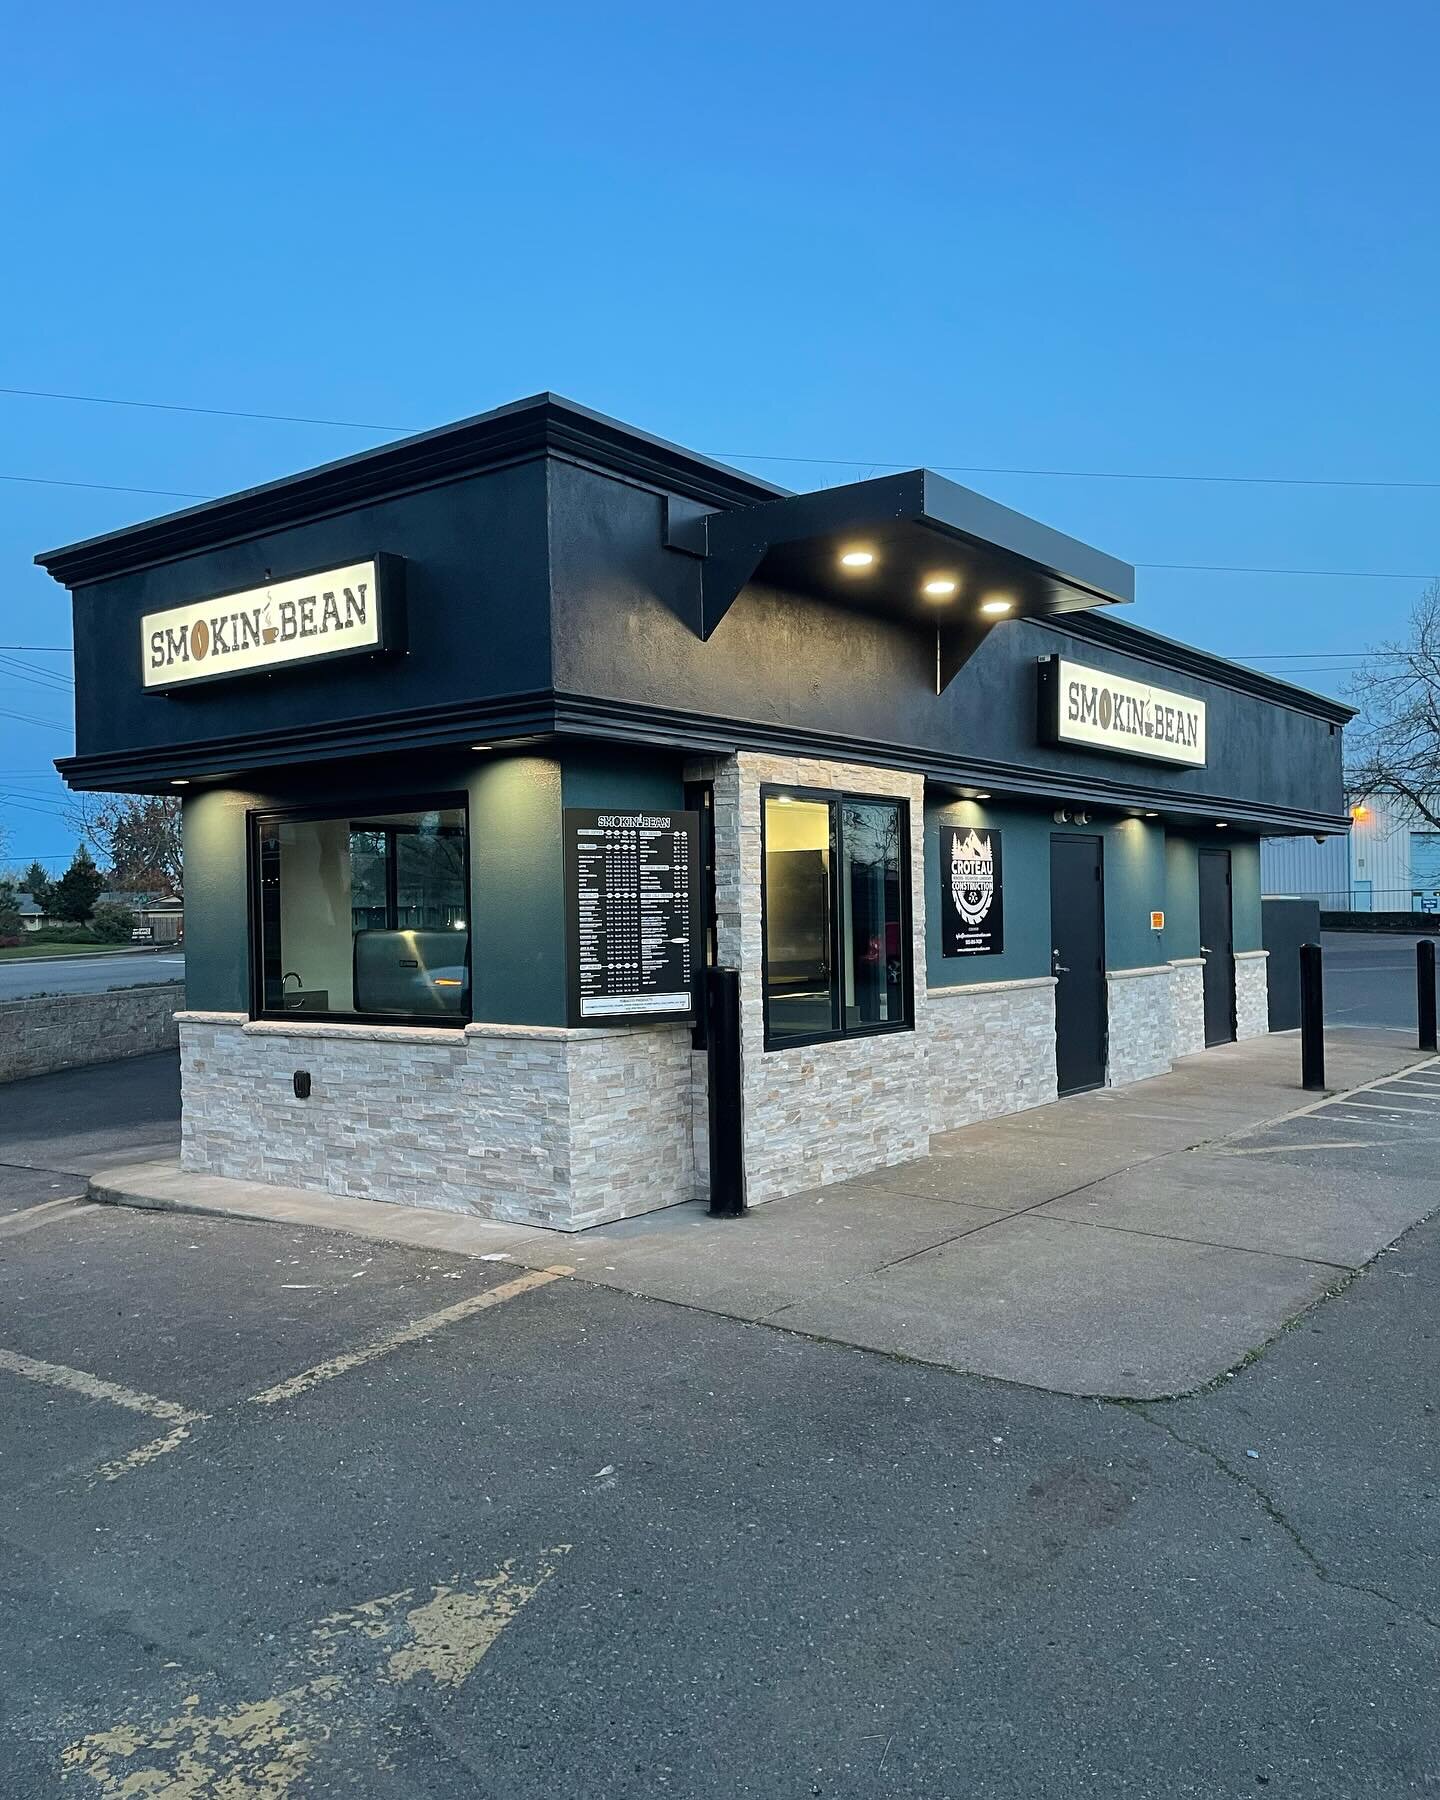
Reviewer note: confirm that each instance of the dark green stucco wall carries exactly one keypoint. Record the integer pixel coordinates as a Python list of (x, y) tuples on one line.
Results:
[(517, 884), (1025, 871), (1182, 896), (1146, 870)]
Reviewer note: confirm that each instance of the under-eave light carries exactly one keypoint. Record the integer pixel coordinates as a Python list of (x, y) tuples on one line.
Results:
[(1222, 824), (181, 781), (940, 588), (996, 607), (857, 559)]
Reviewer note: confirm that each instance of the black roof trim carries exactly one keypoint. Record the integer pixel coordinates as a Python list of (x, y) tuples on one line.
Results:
[(1169, 653), (574, 715), (544, 424)]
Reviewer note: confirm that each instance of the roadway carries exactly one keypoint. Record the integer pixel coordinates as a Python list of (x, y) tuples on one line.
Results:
[(88, 974), (1370, 979)]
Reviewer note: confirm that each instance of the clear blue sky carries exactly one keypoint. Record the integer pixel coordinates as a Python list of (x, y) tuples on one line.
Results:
[(1063, 236)]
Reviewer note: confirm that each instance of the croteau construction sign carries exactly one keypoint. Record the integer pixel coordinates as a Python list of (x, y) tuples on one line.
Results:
[(332, 613), (972, 901), (1079, 705)]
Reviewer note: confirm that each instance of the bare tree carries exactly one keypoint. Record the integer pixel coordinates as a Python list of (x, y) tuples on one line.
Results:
[(1394, 745), (136, 837)]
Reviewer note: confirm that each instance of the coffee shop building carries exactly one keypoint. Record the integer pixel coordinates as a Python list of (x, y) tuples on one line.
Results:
[(493, 741)]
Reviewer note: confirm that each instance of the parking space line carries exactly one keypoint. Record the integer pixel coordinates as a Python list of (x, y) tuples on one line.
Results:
[(407, 1334), (95, 1387), (32, 1217)]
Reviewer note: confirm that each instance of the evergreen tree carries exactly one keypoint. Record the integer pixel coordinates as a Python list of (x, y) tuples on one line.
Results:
[(75, 893), (37, 884)]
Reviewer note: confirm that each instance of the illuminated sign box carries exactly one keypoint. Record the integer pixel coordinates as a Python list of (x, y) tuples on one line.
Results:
[(348, 611), (1101, 711)]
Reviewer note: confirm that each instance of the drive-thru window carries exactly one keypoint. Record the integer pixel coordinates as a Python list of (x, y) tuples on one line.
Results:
[(492, 740)]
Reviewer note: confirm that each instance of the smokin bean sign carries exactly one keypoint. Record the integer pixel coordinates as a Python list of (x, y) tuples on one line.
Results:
[(332, 613), (1079, 705)]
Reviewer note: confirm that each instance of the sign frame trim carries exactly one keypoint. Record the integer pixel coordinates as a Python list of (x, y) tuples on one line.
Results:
[(1048, 699), (391, 637)]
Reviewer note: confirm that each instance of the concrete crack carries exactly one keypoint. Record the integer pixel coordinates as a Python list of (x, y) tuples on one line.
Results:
[(1282, 1521)]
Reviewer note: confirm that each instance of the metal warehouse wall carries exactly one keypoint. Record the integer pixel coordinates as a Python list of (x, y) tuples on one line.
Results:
[(1336, 872)]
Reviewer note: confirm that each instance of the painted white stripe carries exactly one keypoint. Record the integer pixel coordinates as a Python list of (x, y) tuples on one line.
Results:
[(407, 1334), (94, 1387), (17, 1224), (146, 1453)]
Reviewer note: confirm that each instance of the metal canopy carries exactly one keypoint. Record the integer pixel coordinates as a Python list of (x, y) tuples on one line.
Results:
[(918, 528)]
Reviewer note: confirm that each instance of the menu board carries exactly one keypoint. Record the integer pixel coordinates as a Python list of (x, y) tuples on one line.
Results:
[(632, 890)]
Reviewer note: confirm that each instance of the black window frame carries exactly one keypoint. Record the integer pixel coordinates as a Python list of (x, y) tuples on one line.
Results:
[(257, 818), (834, 799)]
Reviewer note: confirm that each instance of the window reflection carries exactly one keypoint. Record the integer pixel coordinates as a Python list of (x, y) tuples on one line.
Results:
[(365, 916), (799, 999), (834, 916), (870, 888)]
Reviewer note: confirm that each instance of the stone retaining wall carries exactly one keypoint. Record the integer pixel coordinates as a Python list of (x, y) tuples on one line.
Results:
[(66, 1031)]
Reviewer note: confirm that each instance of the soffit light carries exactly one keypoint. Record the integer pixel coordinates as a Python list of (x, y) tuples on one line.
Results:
[(181, 781), (1222, 824), (940, 587), (982, 795), (996, 606), (1152, 815), (857, 559)]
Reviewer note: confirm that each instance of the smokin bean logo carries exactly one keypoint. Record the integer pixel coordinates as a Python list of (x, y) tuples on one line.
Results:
[(288, 621), (1113, 713)]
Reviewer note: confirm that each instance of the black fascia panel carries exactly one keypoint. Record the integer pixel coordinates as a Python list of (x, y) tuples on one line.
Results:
[(919, 527)]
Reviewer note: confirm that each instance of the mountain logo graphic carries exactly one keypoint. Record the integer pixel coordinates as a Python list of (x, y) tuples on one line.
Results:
[(972, 876)]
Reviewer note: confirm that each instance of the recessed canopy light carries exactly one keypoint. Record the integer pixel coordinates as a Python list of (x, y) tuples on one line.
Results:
[(181, 781), (1152, 815), (482, 746), (857, 559), (940, 588), (982, 795), (996, 606), (1222, 824)]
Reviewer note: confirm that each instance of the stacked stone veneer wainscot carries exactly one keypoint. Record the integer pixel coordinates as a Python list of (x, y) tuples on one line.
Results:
[(1141, 1024), (527, 1124), (1187, 1004), (818, 1112), (1252, 993), (66, 1031), (990, 1049)]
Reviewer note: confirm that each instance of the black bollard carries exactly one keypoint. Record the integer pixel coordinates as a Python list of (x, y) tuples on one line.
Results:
[(1425, 992), (727, 1149), (1312, 1018)]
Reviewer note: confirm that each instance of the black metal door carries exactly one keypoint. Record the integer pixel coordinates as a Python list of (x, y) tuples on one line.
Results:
[(1077, 937), (1217, 946)]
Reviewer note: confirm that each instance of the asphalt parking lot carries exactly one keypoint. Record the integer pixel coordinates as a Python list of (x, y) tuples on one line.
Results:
[(286, 1514)]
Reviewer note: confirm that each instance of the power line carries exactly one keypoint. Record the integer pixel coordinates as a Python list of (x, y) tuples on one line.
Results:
[(106, 487), (212, 412), (837, 462), (25, 719), (58, 649), (864, 462)]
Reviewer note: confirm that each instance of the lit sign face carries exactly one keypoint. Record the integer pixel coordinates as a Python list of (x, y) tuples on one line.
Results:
[(1102, 711), (334, 613)]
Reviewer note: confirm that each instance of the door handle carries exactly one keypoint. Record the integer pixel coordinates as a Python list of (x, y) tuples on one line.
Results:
[(1205, 950), (1057, 967)]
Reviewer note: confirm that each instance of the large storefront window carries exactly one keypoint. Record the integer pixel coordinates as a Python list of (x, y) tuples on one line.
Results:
[(836, 908), (365, 915)]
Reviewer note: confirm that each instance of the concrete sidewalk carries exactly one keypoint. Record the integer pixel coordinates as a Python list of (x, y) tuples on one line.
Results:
[(1134, 1242)]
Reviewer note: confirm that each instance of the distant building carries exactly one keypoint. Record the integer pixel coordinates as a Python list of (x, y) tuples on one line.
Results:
[(1390, 862)]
